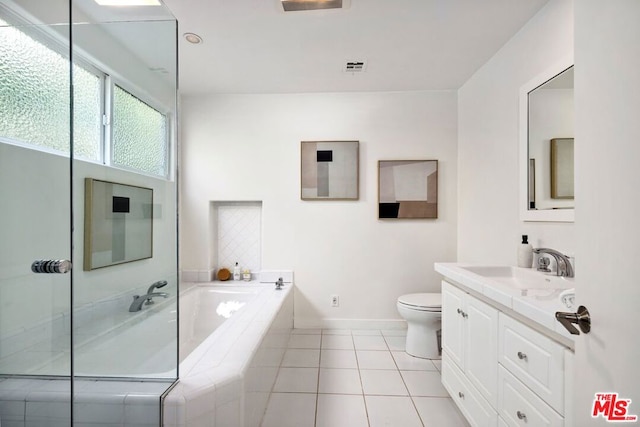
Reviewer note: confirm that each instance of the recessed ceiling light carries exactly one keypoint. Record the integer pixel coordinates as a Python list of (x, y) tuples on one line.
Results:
[(128, 2), (192, 38), (295, 5)]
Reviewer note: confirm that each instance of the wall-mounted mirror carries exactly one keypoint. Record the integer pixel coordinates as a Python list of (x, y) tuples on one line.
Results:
[(546, 145)]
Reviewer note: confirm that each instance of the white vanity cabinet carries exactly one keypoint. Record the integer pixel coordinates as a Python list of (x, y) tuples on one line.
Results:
[(469, 353), (499, 371)]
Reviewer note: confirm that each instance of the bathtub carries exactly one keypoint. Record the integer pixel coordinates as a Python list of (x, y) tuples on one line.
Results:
[(203, 309), (228, 364)]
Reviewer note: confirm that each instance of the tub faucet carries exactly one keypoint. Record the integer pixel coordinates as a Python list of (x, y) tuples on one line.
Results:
[(138, 300), (279, 284), (563, 264)]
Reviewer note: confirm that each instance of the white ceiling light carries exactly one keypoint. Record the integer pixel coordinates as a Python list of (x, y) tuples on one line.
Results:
[(128, 2), (296, 5), (192, 38)]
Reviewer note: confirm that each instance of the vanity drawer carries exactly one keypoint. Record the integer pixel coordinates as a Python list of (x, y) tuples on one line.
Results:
[(519, 406), (534, 359), (471, 403)]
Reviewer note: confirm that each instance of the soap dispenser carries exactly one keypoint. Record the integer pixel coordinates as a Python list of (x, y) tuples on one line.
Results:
[(236, 272), (525, 253)]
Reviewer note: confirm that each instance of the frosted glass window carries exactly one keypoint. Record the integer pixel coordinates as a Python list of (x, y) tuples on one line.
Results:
[(34, 97), (139, 134)]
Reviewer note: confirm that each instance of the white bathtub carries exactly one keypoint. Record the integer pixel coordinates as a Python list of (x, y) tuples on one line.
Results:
[(145, 342), (204, 308), (228, 366)]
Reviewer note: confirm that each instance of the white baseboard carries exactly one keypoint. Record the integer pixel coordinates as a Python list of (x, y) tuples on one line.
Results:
[(381, 324)]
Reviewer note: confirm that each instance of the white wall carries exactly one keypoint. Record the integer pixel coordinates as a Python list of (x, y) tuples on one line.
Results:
[(247, 147), (489, 226)]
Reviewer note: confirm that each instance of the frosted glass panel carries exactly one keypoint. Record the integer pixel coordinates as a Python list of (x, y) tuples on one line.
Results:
[(139, 134), (34, 97)]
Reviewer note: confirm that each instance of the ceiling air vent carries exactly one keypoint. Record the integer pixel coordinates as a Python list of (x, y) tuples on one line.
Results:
[(355, 67), (296, 5)]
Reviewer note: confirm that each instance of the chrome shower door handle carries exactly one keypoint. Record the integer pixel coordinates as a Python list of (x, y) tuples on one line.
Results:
[(582, 318), (51, 266)]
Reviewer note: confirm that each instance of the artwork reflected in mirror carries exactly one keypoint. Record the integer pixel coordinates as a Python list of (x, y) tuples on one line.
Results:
[(551, 118), (562, 168), (118, 223)]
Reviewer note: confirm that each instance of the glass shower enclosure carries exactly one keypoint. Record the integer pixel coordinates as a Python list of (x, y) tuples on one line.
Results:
[(88, 212)]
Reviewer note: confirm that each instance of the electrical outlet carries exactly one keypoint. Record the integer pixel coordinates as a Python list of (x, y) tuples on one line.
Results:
[(335, 301)]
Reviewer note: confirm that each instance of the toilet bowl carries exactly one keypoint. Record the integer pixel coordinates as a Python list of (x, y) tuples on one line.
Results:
[(423, 314)]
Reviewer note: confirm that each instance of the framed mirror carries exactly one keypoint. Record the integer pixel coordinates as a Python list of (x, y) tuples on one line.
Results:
[(118, 223), (546, 145)]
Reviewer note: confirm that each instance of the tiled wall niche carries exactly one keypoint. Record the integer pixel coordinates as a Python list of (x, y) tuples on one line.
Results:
[(236, 235)]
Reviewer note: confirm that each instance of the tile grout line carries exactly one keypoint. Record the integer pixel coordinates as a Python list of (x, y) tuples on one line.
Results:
[(364, 399), (315, 416), (405, 384)]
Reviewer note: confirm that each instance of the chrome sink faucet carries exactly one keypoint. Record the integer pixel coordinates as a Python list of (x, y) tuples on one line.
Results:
[(279, 284), (138, 300), (563, 264)]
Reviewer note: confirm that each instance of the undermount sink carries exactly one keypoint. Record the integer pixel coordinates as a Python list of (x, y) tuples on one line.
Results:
[(524, 279)]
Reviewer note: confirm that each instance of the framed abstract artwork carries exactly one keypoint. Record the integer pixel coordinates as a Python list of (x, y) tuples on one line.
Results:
[(407, 189), (329, 170)]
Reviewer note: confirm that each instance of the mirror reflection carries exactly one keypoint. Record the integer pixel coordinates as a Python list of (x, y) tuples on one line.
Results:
[(550, 143)]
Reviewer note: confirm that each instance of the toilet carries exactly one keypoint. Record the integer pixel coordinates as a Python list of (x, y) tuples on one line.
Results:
[(422, 313)]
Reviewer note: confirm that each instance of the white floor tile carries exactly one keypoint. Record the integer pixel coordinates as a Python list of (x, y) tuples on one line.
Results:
[(406, 362), (394, 332), (386, 411), (439, 412), (340, 410), (299, 380), (338, 359), (339, 381), (424, 383), (304, 341), (379, 382), (374, 359), (336, 332), (301, 358), (306, 331), (396, 343), (300, 410), (366, 342), (337, 342), (366, 332)]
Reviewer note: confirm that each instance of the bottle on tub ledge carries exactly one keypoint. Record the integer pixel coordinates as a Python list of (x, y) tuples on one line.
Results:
[(236, 272), (246, 275), (525, 253)]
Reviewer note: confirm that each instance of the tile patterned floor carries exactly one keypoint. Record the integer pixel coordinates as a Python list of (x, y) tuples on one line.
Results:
[(359, 378)]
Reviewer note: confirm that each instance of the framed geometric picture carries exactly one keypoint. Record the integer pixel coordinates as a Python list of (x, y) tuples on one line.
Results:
[(329, 170), (407, 189)]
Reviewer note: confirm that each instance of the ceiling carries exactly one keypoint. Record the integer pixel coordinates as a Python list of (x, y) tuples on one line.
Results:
[(252, 46)]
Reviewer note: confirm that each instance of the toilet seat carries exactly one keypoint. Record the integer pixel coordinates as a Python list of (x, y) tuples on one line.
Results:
[(422, 302)]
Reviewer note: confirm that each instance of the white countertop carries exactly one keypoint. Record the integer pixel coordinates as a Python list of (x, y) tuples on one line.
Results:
[(537, 305)]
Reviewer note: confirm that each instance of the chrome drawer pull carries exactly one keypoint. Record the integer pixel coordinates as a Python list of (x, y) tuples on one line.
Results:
[(522, 356), (461, 395), (521, 415), (459, 311)]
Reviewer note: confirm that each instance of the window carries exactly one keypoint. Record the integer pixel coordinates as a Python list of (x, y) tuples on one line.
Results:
[(139, 138), (34, 108)]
